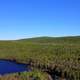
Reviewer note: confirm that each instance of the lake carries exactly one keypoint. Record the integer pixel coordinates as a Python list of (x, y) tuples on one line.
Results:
[(7, 67)]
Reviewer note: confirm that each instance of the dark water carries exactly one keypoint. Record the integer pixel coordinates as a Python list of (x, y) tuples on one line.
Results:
[(11, 67)]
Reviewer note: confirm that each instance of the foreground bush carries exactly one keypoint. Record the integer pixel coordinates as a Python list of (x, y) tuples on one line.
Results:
[(34, 75)]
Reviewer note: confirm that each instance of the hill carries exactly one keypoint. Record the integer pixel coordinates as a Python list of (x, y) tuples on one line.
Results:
[(69, 39), (46, 53)]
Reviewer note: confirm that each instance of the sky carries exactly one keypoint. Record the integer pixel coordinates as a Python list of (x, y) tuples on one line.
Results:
[(33, 18)]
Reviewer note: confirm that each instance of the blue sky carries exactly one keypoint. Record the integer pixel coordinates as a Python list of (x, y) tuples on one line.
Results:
[(32, 18)]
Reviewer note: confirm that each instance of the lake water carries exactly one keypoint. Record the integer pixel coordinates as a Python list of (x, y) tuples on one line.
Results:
[(11, 67)]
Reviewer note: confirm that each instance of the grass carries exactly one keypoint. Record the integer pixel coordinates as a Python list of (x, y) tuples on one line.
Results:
[(38, 75), (63, 52)]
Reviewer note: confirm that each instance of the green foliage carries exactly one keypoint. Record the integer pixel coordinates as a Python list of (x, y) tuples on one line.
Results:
[(63, 52), (37, 75)]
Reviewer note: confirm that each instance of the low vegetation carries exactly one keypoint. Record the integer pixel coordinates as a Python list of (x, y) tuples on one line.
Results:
[(47, 54), (34, 75)]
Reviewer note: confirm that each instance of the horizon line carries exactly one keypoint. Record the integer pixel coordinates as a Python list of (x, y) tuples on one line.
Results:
[(39, 37)]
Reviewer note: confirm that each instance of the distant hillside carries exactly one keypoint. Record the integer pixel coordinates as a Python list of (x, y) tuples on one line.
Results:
[(72, 40)]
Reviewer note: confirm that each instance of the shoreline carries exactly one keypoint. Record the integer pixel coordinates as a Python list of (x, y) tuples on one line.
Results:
[(52, 73)]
